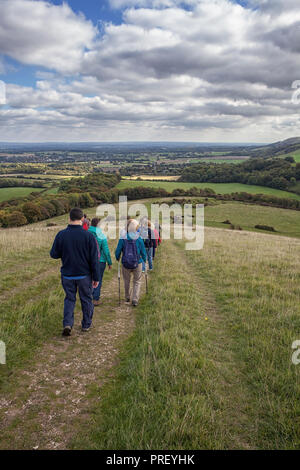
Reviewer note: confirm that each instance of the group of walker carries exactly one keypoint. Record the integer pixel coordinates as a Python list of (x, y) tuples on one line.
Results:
[(84, 251)]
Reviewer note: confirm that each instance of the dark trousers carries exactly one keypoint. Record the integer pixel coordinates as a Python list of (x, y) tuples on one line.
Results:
[(97, 291), (85, 289)]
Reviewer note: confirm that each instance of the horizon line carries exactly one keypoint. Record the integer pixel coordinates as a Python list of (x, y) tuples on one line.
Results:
[(133, 142)]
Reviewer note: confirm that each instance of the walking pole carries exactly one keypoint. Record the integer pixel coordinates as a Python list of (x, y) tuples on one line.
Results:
[(119, 277), (146, 277)]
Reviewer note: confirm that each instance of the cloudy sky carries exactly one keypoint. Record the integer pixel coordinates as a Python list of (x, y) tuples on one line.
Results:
[(141, 70)]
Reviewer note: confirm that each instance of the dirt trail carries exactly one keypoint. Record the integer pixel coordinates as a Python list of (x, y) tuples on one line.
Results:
[(53, 397)]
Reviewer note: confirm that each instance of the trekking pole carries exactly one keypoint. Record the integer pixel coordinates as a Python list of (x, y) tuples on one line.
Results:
[(146, 277), (119, 277)]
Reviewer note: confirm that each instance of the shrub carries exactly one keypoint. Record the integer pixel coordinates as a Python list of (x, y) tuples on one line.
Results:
[(45, 213), (86, 200), (50, 208), (51, 224), (265, 227), (73, 199), (15, 219), (32, 212), (59, 208)]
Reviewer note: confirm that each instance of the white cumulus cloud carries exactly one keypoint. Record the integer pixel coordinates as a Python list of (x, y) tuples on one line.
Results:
[(40, 33), (213, 71)]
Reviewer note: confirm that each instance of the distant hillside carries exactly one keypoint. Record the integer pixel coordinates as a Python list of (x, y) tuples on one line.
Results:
[(278, 148)]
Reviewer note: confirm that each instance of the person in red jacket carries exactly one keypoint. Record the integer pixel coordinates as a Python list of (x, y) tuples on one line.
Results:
[(157, 241), (86, 222)]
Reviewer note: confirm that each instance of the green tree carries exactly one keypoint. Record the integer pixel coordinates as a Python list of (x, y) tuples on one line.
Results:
[(32, 212)]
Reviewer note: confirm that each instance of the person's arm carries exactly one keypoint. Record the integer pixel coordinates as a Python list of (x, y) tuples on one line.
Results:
[(94, 259), (142, 250), (153, 239), (106, 251), (119, 250), (55, 252)]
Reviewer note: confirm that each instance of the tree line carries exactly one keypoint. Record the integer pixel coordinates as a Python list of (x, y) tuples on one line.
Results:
[(15, 183), (274, 173), (36, 207), (80, 192)]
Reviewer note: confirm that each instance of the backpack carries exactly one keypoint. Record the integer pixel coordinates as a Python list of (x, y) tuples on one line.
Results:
[(130, 259), (149, 241)]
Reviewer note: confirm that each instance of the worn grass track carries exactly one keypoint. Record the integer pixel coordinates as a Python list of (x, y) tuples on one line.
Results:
[(52, 397)]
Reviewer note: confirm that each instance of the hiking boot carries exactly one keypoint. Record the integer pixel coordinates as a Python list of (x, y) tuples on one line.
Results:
[(67, 331), (134, 304), (85, 330), (127, 300), (96, 303)]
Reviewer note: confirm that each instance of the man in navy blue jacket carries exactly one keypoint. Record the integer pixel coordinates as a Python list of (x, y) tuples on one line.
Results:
[(79, 252)]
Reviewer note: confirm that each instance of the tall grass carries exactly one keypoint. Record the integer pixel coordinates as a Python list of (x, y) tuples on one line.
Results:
[(19, 241), (31, 297), (256, 281)]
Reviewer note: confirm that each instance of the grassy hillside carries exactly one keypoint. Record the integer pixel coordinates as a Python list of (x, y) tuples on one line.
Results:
[(248, 216), (11, 193), (285, 222), (222, 188), (284, 147), (209, 365)]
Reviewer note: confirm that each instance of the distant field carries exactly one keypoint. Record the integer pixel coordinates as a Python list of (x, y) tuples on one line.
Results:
[(35, 176), (10, 193), (221, 188), (220, 160), (151, 178), (55, 177), (51, 191)]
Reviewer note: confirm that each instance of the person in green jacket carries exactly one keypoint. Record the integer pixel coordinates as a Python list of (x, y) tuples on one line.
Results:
[(104, 256)]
